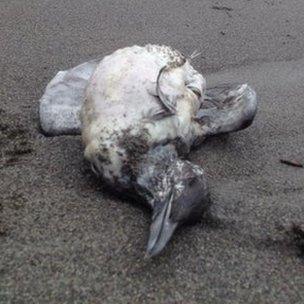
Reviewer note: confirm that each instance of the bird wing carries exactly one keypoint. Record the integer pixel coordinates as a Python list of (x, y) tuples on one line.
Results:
[(63, 98), (170, 86), (172, 82)]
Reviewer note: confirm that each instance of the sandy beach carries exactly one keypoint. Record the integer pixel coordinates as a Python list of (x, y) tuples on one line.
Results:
[(65, 239)]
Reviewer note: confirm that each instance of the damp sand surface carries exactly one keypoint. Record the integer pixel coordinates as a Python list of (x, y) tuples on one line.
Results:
[(65, 239)]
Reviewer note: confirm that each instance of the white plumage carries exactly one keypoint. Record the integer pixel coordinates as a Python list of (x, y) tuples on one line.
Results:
[(130, 91)]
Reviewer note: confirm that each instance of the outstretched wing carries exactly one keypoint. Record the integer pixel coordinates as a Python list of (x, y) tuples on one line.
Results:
[(62, 100), (227, 108)]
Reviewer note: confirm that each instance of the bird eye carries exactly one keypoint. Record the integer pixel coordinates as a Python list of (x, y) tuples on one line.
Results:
[(192, 181)]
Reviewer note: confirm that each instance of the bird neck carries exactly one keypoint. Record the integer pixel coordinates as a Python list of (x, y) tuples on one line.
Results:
[(155, 173)]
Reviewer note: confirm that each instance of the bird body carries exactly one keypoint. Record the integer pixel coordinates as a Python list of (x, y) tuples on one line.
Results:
[(142, 108), (123, 109)]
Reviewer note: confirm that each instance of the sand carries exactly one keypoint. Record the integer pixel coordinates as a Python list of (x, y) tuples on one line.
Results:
[(65, 239)]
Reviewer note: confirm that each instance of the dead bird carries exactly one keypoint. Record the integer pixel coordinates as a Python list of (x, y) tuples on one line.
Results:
[(142, 109)]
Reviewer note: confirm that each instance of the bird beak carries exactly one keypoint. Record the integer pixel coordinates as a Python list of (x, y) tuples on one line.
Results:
[(161, 230)]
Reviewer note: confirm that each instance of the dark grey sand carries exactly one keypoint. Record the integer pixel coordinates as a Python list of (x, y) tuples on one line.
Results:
[(64, 239)]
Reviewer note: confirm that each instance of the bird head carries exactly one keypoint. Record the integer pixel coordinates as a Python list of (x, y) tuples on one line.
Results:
[(179, 194)]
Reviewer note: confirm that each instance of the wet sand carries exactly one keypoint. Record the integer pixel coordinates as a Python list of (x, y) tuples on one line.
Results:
[(64, 239)]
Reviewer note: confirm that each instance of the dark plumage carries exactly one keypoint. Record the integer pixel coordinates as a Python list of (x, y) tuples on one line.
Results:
[(175, 189)]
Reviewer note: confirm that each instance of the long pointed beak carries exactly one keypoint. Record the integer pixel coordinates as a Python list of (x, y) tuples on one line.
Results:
[(161, 230)]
